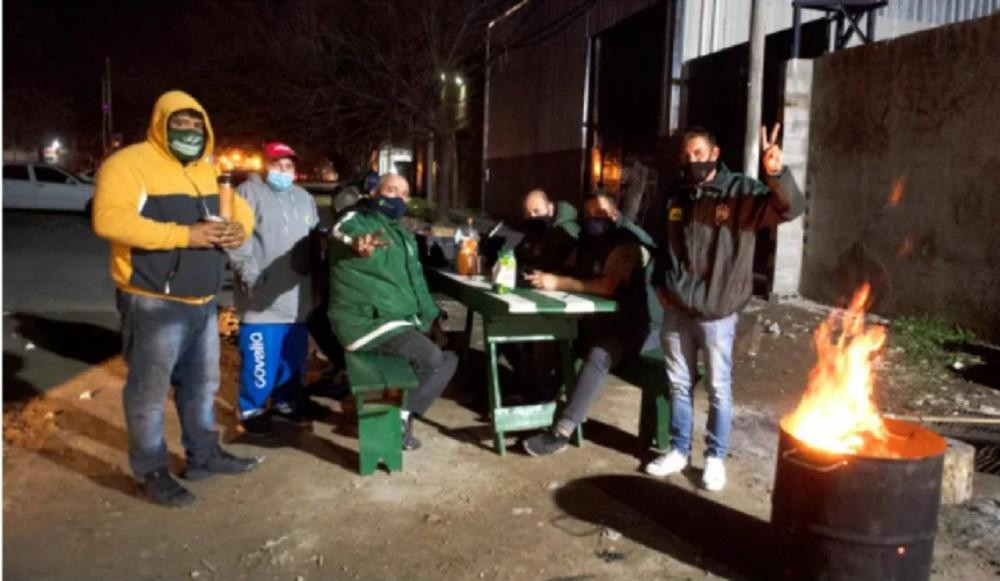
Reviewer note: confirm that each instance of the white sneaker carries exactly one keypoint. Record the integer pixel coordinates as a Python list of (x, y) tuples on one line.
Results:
[(670, 463), (714, 476)]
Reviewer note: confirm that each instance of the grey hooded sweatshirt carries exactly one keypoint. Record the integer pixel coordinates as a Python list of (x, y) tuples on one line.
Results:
[(272, 266)]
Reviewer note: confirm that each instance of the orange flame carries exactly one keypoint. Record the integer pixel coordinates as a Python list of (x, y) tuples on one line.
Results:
[(896, 195), (905, 248), (837, 413)]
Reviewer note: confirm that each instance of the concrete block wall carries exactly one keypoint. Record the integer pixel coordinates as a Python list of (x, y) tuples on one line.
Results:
[(795, 148), (904, 175)]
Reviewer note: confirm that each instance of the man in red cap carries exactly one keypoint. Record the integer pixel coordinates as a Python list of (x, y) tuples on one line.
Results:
[(274, 294)]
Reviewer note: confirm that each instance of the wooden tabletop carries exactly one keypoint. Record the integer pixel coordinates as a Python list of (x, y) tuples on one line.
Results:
[(476, 292)]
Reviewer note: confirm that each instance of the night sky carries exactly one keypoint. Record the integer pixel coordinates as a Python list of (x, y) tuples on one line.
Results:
[(336, 75), (53, 64)]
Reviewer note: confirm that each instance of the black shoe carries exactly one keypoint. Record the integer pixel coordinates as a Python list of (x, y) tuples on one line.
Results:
[(312, 410), (258, 425), (410, 442), (548, 442), (161, 488), (291, 415), (221, 462)]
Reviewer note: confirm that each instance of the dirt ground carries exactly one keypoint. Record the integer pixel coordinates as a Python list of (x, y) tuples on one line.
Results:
[(457, 511)]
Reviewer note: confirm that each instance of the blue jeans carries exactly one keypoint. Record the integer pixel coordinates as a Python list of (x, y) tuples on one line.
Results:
[(273, 358), (167, 342), (683, 336)]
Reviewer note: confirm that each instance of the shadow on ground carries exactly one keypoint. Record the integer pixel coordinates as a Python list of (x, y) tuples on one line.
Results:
[(986, 373), (29, 373), (81, 341), (676, 522), (15, 388), (66, 446)]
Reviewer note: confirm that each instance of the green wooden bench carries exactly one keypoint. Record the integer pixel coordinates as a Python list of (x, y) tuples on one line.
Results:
[(379, 384), (648, 373)]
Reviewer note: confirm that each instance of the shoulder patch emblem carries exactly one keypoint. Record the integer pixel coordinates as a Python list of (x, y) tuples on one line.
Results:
[(721, 214), (676, 214)]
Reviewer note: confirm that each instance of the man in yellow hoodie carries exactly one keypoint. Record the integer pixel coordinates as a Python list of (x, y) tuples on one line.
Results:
[(157, 203)]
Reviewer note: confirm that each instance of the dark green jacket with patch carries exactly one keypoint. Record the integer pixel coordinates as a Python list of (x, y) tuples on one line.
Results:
[(373, 299), (705, 264)]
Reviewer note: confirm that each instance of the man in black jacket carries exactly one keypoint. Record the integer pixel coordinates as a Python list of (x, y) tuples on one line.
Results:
[(704, 276), (550, 232)]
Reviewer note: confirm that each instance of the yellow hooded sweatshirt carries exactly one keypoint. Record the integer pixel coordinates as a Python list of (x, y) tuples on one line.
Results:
[(144, 204)]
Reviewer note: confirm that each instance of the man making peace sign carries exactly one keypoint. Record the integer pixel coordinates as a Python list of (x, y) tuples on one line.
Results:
[(704, 276)]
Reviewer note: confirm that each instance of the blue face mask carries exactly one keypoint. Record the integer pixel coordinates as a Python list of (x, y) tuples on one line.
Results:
[(597, 227), (392, 208), (279, 180)]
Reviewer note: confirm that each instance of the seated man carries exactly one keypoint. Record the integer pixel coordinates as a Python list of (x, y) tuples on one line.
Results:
[(550, 234), (612, 261), (379, 300)]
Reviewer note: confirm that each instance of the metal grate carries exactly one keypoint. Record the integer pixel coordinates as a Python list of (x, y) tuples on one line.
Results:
[(988, 459), (984, 437)]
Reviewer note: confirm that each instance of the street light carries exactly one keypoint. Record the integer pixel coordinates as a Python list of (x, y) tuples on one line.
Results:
[(459, 81)]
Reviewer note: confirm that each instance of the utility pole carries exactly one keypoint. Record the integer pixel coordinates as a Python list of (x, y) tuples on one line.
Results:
[(107, 128), (429, 170), (755, 90)]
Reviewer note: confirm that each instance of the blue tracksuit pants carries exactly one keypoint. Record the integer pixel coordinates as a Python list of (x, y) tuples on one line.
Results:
[(273, 360)]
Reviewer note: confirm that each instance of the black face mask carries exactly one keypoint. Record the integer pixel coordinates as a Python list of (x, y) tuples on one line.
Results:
[(392, 208), (695, 172), (597, 227), (536, 225)]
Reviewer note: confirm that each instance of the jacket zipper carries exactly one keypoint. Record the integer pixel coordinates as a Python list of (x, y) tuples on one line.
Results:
[(694, 243)]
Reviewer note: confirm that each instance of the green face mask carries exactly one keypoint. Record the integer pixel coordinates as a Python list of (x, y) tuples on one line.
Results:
[(185, 144)]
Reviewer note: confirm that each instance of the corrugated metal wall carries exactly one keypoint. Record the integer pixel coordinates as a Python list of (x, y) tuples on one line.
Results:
[(539, 55), (712, 25), (538, 73), (939, 11)]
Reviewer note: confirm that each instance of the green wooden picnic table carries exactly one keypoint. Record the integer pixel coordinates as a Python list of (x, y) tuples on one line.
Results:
[(519, 315)]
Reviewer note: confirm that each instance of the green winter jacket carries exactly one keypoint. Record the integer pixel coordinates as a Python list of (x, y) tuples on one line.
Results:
[(373, 299)]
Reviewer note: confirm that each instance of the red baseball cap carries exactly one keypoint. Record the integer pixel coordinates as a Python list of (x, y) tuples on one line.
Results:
[(278, 150)]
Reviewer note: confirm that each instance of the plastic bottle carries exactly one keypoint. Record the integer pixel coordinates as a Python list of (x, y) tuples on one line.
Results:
[(505, 272), (467, 241), (226, 196)]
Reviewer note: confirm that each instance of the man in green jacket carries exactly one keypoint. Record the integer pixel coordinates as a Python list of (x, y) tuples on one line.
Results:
[(379, 299)]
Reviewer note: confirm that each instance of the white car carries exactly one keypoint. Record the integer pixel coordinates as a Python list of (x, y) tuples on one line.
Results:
[(38, 186)]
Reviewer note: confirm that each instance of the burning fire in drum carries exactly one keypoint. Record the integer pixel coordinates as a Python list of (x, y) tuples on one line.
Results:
[(856, 495)]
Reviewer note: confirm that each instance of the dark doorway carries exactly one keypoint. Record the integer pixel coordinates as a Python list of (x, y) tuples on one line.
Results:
[(716, 99), (626, 92)]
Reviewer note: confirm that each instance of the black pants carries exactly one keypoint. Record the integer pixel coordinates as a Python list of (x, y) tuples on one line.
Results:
[(433, 367), (319, 328), (537, 366)]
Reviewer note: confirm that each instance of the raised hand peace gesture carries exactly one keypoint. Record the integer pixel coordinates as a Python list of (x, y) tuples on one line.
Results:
[(770, 150)]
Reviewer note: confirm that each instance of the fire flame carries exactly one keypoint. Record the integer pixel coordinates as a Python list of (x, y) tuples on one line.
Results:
[(837, 413), (905, 248), (896, 195)]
